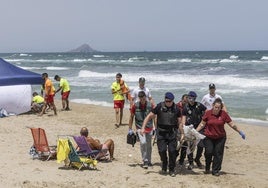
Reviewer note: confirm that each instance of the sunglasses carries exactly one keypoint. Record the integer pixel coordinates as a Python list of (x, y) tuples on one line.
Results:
[(142, 96), (191, 98), (167, 101)]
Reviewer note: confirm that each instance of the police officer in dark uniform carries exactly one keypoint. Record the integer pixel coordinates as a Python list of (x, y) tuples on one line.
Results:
[(168, 123), (192, 115)]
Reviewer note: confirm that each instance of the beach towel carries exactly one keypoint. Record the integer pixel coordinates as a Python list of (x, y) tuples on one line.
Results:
[(63, 150)]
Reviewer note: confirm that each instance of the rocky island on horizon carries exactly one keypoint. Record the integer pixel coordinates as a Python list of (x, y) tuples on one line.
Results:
[(84, 48)]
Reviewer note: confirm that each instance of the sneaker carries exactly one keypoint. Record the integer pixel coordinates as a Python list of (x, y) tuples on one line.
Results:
[(198, 163), (215, 173), (145, 165), (207, 172), (172, 174), (150, 164), (190, 167)]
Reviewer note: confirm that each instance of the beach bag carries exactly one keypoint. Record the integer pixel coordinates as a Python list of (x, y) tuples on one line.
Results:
[(33, 152), (3, 113), (131, 139)]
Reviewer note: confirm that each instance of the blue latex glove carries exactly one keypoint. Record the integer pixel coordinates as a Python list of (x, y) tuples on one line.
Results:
[(130, 132), (242, 134)]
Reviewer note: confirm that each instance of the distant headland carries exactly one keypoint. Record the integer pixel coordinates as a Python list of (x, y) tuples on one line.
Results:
[(84, 48)]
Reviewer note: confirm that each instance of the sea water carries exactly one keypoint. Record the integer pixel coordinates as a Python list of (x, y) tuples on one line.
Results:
[(241, 77)]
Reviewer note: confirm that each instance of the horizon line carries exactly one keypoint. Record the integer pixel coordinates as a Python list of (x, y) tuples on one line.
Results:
[(142, 51)]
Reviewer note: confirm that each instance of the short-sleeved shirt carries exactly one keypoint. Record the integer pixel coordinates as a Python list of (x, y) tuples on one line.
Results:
[(208, 100), (38, 99), (193, 113), (47, 85), (65, 85), (135, 92), (214, 127), (116, 87), (142, 107)]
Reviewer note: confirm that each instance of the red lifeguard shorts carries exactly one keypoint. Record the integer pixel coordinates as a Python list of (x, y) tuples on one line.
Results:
[(65, 95), (49, 99), (119, 103)]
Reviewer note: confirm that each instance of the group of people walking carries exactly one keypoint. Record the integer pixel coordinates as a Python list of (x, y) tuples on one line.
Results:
[(48, 92), (165, 120), (168, 119)]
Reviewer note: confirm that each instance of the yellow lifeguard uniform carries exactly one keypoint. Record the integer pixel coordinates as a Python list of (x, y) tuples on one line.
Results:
[(65, 85), (38, 99), (118, 95)]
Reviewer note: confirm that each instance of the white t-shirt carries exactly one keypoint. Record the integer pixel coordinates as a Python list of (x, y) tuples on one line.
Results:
[(208, 100), (135, 92)]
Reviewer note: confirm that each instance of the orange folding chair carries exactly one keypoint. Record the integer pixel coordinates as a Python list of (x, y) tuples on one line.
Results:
[(43, 150)]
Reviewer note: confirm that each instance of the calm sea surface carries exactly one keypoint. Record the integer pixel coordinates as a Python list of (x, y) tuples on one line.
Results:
[(241, 77)]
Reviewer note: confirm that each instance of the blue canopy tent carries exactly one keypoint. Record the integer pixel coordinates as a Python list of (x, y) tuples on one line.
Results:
[(15, 87), (13, 75)]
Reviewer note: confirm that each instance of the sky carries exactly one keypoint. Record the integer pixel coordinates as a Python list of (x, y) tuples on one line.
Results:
[(133, 25)]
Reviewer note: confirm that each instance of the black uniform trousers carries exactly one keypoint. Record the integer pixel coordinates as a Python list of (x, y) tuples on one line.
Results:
[(167, 141), (214, 150), (190, 156)]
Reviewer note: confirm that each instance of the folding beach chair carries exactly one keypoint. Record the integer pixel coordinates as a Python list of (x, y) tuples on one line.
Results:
[(67, 153), (42, 149), (85, 149)]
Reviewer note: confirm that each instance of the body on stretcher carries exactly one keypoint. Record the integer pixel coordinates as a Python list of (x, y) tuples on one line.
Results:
[(192, 137)]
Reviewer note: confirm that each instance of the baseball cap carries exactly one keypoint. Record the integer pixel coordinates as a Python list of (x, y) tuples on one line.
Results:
[(169, 95), (192, 94), (212, 86), (141, 79)]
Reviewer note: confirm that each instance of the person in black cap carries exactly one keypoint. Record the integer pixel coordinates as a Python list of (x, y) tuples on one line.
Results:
[(168, 125), (135, 92), (192, 115), (209, 98)]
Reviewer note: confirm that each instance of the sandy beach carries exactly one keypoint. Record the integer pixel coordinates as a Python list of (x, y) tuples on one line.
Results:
[(244, 164)]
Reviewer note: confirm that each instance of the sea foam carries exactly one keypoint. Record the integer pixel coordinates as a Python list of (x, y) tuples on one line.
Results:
[(88, 101), (264, 58), (57, 68)]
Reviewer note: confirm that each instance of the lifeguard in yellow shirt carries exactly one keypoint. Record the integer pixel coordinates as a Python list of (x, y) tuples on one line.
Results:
[(64, 87), (118, 91), (37, 102)]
